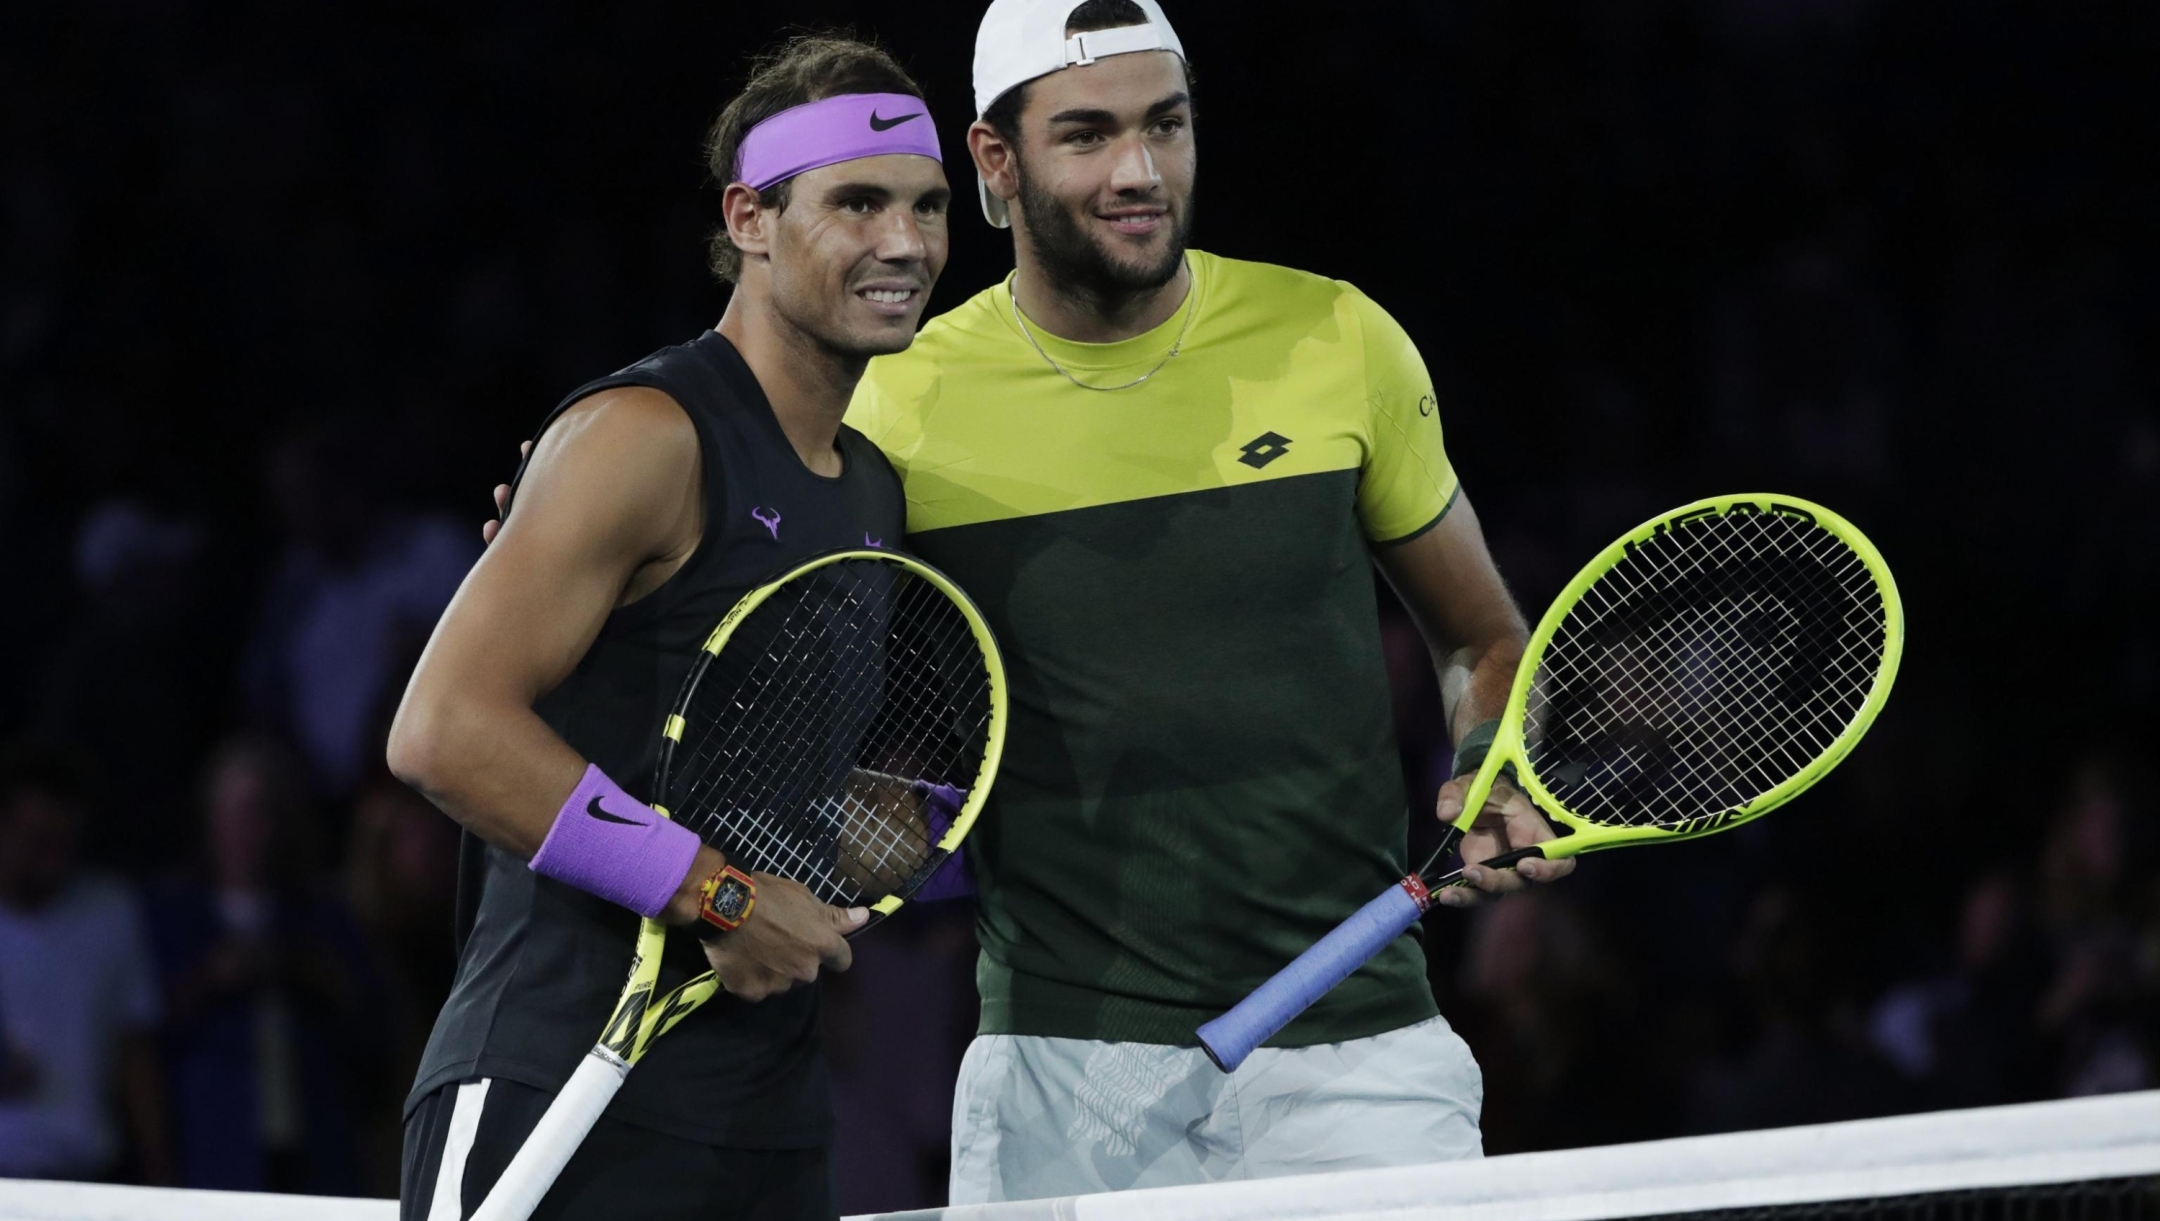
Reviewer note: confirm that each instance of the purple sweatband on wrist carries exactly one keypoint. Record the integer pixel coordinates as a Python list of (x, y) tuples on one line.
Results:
[(607, 843), (832, 130), (953, 879)]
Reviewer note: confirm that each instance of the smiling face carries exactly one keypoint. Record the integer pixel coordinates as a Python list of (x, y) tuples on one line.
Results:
[(850, 260), (1102, 176)]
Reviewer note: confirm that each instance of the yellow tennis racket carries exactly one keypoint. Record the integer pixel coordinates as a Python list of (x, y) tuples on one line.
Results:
[(1702, 671), (841, 729)]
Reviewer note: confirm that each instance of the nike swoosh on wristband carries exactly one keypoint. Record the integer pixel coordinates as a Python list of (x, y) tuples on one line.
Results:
[(878, 124), (594, 809)]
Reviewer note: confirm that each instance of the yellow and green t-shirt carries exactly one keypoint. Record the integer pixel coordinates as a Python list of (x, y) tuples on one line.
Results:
[(1200, 776)]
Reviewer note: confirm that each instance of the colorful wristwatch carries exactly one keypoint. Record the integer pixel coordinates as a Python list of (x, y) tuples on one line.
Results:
[(726, 899)]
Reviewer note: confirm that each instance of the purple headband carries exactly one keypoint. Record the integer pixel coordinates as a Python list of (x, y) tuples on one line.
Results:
[(833, 130)]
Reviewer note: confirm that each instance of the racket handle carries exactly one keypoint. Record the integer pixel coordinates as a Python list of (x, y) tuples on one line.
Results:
[(560, 1131), (1232, 1037)]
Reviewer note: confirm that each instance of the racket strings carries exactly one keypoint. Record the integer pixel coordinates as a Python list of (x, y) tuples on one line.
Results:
[(1743, 704), (1746, 717), (804, 737), (865, 833), (1712, 663), (836, 828), (746, 781), (1743, 722), (898, 846)]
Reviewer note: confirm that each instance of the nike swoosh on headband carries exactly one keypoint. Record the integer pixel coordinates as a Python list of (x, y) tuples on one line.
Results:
[(839, 128)]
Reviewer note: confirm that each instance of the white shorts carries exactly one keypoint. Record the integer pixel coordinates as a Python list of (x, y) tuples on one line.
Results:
[(1036, 1117)]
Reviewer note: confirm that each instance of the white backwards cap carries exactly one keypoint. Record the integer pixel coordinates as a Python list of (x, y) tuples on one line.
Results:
[(1020, 40)]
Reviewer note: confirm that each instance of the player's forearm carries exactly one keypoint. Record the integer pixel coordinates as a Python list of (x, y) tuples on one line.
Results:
[(1447, 582), (491, 764), (1475, 679), (504, 774)]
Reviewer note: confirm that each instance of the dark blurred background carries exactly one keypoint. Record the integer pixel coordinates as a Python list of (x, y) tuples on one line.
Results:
[(281, 287)]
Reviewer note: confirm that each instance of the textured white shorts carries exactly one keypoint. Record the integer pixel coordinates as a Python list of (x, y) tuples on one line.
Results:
[(1036, 1117)]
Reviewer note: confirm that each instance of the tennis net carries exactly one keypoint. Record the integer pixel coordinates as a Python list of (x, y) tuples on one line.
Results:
[(2095, 1159)]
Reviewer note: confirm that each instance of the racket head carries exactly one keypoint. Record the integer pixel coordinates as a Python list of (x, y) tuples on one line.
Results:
[(1621, 673), (818, 709)]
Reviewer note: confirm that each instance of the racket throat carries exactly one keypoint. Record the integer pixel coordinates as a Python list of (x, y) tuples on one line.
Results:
[(1506, 860)]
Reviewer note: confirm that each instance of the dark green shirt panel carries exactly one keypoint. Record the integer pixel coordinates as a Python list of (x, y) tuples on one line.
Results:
[(1138, 920), (1200, 774)]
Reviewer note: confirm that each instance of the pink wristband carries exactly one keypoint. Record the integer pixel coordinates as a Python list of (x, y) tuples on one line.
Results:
[(607, 843)]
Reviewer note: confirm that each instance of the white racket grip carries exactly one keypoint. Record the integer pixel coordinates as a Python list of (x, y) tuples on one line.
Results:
[(558, 1134)]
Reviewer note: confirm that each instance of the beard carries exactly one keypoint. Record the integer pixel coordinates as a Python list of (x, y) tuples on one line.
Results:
[(1076, 261)]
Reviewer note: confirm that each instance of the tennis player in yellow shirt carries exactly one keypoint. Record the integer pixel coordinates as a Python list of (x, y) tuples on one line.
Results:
[(1164, 476)]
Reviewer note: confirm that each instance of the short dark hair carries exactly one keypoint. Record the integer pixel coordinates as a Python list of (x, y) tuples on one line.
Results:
[(805, 68), (1004, 113)]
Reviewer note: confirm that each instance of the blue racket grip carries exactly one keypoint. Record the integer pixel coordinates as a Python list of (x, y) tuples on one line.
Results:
[(1230, 1038)]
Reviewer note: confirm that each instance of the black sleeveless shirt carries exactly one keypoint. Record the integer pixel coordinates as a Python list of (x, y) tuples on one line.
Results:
[(540, 963)]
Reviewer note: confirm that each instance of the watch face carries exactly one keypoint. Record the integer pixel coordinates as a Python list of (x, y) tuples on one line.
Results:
[(730, 899)]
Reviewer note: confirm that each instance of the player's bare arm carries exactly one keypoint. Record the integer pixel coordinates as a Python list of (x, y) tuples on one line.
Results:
[(1447, 581), (586, 540), (608, 509)]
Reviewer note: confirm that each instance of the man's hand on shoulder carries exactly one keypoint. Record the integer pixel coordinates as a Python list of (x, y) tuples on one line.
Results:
[(622, 461), (637, 423), (493, 525), (787, 939)]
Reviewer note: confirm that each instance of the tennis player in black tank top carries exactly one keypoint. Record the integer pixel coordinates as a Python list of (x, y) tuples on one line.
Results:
[(654, 498)]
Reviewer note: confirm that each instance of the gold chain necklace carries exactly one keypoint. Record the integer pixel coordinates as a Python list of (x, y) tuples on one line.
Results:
[(1191, 308)]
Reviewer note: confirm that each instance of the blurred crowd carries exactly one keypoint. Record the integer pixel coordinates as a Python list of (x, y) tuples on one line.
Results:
[(281, 288)]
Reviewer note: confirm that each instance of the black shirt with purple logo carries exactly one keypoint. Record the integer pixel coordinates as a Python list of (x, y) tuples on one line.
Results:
[(540, 963)]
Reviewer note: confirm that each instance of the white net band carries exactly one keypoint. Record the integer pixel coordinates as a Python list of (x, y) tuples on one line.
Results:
[(2094, 1159)]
